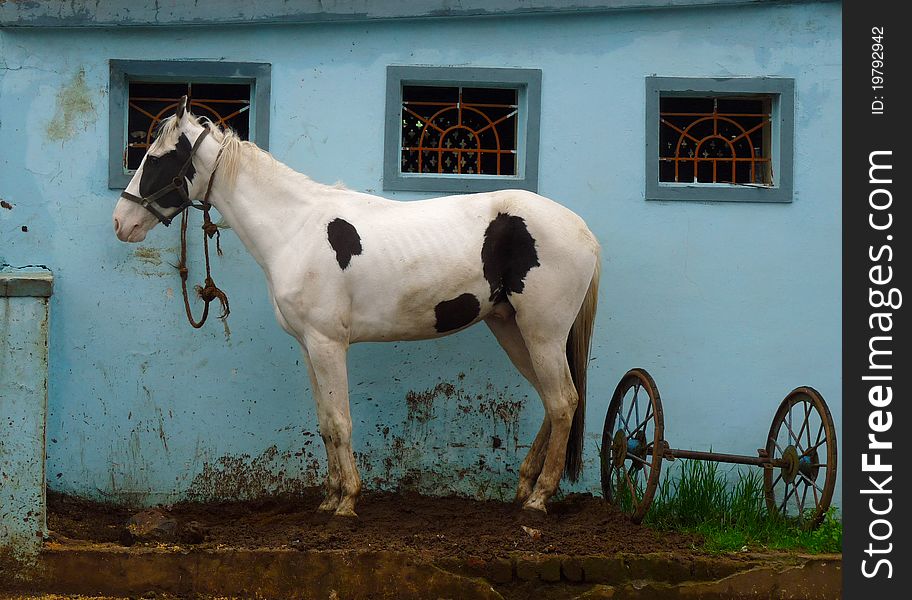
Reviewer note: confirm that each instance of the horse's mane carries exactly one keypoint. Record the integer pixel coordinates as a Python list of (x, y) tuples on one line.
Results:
[(234, 150)]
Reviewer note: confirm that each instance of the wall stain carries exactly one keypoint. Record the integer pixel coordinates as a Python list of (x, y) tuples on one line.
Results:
[(148, 255), (452, 441), (240, 477), (421, 404), (75, 108)]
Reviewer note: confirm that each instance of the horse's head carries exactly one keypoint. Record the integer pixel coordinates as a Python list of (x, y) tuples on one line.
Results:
[(166, 179)]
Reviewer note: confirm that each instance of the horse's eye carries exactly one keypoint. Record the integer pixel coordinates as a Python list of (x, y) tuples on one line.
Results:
[(152, 159)]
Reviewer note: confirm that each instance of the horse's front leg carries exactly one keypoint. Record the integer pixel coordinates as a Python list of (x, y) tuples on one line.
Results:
[(333, 494), (327, 360)]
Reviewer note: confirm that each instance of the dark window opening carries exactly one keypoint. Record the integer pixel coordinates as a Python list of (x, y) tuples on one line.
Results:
[(720, 139), (151, 102), (459, 130)]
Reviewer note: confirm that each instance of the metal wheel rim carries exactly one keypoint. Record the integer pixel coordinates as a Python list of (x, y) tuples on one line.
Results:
[(804, 419), (644, 481)]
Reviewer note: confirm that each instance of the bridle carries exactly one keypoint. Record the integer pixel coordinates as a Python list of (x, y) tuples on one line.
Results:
[(179, 183), (209, 291)]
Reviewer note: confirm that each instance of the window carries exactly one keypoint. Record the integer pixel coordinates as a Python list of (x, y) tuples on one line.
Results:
[(461, 129), (145, 92), (719, 140)]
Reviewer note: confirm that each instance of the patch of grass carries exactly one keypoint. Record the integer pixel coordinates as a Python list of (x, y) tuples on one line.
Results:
[(731, 515)]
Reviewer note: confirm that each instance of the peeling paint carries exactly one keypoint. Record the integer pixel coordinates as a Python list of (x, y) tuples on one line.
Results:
[(75, 109)]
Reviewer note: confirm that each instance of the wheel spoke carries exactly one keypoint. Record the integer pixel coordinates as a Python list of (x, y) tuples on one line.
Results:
[(816, 497), (814, 447), (777, 480), (619, 486), (639, 460), (792, 433), (807, 421), (804, 497), (645, 420), (785, 500), (636, 405), (636, 390), (626, 426), (798, 503), (813, 483), (817, 438), (788, 422), (633, 496)]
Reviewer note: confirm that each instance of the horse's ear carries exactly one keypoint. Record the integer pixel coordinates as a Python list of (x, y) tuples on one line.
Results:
[(182, 107)]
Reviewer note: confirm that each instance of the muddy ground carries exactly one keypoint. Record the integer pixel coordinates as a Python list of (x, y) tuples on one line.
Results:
[(400, 521)]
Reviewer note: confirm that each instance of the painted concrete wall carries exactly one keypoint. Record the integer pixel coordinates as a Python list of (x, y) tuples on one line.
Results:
[(730, 306), (23, 408)]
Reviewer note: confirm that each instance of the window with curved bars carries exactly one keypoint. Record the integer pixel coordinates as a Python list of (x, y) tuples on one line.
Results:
[(144, 92), (459, 130), (723, 139), (715, 140), (151, 102)]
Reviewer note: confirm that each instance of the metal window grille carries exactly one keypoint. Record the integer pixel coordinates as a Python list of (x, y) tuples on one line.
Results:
[(150, 102), (459, 130), (716, 140)]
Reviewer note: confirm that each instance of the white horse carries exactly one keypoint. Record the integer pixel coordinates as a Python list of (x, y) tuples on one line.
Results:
[(345, 267)]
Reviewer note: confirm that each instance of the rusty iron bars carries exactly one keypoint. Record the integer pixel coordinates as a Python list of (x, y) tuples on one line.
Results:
[(208, 105), (447, 151), (738, 125), (793, 459)]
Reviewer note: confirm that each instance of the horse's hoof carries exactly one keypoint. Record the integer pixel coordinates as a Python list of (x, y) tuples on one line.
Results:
[(534, 508), (346, 512), (328, 506), (522, 495)]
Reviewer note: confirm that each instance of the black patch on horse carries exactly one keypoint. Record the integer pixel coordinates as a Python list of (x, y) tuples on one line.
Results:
[(344, 239), (160, 171), (508, 254), (456, 313)]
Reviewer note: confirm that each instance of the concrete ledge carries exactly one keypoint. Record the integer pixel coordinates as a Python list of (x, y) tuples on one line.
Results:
[(36, 282), (107, 569), (126, 13)]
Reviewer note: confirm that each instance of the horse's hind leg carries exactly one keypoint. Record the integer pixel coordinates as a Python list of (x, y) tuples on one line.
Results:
[(327, 359), (510, 338), (333, 493), (560, 399)]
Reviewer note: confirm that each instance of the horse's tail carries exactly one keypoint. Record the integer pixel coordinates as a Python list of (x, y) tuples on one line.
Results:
[(578, 344)]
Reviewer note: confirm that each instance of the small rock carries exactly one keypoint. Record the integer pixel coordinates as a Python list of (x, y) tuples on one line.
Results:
[(535, 534), (194, 532), (149, 526)]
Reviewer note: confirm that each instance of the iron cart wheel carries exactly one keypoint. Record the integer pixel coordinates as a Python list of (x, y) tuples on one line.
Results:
[(804, 437), (632, 444)]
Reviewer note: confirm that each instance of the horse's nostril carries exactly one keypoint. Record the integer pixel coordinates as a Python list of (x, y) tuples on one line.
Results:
[(116, 225)]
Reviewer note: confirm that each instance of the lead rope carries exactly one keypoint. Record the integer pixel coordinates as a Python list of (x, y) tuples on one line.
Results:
[(209, 291)]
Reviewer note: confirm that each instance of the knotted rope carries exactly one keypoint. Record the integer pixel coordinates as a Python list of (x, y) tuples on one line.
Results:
[(209, 291)]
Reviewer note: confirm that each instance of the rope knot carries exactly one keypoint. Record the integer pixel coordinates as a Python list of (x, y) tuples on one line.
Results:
[(210, 229), (209, 291)]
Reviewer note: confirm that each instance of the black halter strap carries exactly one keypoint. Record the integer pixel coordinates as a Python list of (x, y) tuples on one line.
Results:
[(179, 183)]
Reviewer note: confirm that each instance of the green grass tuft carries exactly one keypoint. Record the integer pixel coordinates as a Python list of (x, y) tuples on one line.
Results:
[(731, 514)]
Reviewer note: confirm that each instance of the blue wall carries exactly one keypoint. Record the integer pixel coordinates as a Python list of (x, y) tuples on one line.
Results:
[(730, 306)]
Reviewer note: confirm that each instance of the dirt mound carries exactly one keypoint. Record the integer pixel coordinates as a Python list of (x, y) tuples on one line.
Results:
[(401, 521)]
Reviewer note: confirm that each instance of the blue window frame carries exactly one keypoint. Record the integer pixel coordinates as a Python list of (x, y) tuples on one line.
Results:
[(143, 92), (720, 140), (461, 129)]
